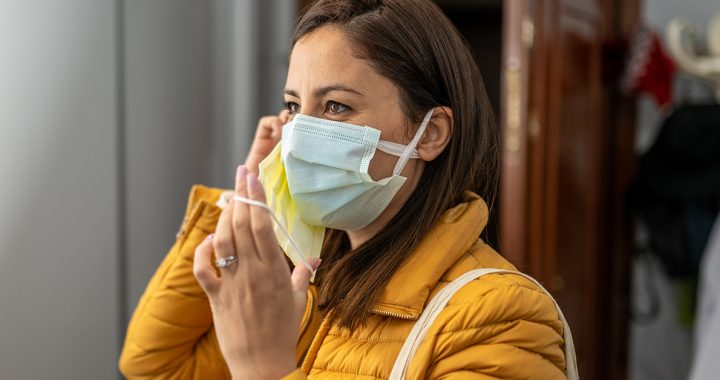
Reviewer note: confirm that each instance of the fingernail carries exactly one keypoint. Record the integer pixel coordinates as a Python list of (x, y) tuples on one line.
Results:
[(241, 172), (210, 236), (252, 181), (315, 262)]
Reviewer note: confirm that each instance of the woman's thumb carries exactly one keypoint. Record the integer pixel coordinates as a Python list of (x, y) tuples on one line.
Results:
[(301, 275)]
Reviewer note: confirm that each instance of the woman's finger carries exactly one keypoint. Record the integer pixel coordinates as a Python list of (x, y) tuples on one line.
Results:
[(203, 268), (267, 135), (242, 234), (284, 115), (264, 126), (270, 127), (300, 278), (223, 242), (267, 246), (276, 131), (283, 119)]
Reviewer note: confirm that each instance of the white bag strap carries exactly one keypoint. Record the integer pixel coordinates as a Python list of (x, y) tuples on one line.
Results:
[(437, 304)]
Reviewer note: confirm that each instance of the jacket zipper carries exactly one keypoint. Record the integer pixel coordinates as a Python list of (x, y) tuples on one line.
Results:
[(314, 341), (394, 315), (308, 310)]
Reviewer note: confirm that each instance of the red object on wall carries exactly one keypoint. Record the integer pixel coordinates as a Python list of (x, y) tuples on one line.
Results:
[(649, 69)]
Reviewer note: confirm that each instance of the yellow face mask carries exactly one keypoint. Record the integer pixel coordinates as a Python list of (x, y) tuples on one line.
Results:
[(302, 240)]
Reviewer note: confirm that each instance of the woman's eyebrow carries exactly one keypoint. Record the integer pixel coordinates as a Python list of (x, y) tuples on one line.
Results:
[(291, 93), (324, 90)]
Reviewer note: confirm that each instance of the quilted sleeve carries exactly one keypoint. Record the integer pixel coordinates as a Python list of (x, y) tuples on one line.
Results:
[(498, 327), (170, 335)]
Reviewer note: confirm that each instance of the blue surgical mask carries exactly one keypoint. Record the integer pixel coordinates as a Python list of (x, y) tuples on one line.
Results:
[(319, 179)]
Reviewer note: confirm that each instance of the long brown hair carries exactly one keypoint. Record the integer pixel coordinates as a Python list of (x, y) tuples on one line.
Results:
[(412, 43)]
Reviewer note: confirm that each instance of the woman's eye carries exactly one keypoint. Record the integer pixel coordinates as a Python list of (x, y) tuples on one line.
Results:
[(336, 108), (292, 107)]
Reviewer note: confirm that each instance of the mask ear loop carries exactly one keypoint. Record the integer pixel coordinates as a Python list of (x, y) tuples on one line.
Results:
[(410, 149), (274, 218), (394, 149)]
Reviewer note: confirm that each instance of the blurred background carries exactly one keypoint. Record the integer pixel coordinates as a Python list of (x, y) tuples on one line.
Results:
[(111, 109)]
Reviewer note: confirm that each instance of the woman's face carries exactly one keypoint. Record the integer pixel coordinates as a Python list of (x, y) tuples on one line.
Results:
[(326, 80)]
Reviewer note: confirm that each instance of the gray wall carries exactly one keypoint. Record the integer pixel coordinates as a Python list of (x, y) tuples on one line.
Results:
[(168, 116), (109, 111), (58, 227), (662, 349), (198, 76)]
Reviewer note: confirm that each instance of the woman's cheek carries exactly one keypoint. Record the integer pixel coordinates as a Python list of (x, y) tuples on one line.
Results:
[(382, 165)]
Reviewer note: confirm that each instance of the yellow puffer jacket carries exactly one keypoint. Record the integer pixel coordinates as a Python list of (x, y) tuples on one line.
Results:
[(496, 327)]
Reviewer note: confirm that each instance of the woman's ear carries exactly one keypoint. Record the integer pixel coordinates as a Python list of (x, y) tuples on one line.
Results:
[(437, 134)]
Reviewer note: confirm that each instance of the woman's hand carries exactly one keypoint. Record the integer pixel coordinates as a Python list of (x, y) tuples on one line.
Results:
[(257, 305), (267, 135)]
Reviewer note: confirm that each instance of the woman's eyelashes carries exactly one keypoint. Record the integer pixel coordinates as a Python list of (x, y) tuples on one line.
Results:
[(292, 107), (335, 108), (332, 108)]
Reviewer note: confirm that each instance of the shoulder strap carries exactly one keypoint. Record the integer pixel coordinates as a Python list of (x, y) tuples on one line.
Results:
[(437, 304)]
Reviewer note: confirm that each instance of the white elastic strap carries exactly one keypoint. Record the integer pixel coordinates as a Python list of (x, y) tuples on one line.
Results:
[(437, 304), (395, 149), (410, 148), (274, 218)]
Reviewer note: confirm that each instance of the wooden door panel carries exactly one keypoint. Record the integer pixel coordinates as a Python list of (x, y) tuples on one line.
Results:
[(513, 119), (574, 121), (562, 174)]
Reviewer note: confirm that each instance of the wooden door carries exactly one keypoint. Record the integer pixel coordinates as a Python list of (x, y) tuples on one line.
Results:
[(566, 136)]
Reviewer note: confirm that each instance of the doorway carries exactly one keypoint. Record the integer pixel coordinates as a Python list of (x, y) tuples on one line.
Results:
[(481, 24), (567, 138)]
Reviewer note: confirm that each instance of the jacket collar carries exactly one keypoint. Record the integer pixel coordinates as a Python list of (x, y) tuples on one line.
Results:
[(409, 288), (455, 233)]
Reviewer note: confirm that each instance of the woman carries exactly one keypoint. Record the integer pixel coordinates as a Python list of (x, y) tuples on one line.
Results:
[(389, 241)]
